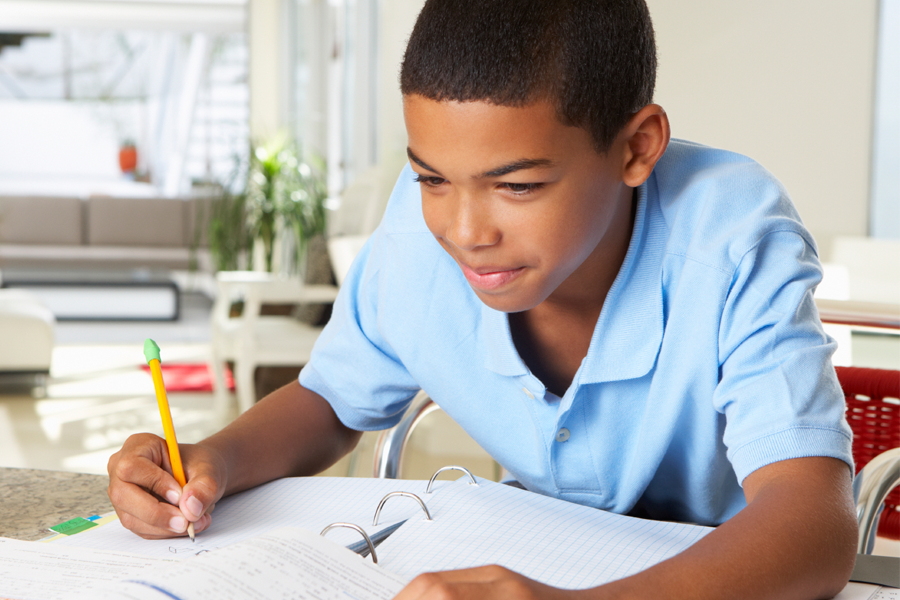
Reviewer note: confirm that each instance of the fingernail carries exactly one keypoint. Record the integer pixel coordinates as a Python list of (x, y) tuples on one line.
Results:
[(178, 524), (194, 506), (173, 497)]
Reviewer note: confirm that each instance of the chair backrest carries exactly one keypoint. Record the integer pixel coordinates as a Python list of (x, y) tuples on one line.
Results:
[(873, 411), (361, 206), (342, 250)]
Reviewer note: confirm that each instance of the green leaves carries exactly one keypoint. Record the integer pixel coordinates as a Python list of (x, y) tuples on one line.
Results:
[(284, 195)]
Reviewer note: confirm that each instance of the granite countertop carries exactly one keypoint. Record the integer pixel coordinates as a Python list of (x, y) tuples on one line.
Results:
[(31, 501)]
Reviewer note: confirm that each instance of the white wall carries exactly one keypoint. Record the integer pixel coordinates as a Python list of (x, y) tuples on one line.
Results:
[(787, 82)]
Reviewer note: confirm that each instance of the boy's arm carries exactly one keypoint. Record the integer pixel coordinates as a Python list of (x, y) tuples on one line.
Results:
[(795, 539), (292, 431)]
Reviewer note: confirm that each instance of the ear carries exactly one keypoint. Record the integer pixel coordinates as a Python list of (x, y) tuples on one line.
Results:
[(645, 138)]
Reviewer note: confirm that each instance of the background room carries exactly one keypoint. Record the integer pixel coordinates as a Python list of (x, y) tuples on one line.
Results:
[(202, 172)]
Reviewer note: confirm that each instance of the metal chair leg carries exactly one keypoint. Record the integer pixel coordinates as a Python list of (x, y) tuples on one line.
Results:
[(392, 442), (874, 483)]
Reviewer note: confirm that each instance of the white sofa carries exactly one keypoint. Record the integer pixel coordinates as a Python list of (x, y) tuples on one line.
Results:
[(101, 232), (26, 333)]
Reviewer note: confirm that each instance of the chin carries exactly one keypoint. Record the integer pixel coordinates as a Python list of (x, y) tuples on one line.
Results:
[(508, 303)]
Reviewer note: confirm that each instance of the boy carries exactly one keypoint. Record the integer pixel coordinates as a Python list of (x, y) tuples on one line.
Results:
[(621, 321)]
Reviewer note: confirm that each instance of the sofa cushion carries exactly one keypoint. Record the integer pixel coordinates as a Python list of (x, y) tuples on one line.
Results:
[(135, 222), (40, 220)]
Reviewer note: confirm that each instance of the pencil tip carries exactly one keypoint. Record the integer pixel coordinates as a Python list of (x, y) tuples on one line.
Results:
[(191, 531)]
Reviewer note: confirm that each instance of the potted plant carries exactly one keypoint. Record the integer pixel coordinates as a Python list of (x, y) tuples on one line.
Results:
[(283, 204), (227, 232), (128, 156)]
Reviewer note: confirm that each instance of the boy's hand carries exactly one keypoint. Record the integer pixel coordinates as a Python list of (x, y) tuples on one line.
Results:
[(146, 496), (481, 582)]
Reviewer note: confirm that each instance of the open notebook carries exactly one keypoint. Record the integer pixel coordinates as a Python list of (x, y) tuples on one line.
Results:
[(248, 554), (551, 540)]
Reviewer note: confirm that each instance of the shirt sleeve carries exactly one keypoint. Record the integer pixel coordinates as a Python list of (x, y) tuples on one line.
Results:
[(777, 387), (352, 365)]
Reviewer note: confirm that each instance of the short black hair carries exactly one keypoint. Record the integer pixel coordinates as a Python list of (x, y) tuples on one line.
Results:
[(595, 60)]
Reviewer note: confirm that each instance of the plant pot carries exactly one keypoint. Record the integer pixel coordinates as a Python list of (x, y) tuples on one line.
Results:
[(128, 159)]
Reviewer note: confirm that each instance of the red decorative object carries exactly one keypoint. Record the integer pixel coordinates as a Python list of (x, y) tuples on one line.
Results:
[(873, 412), (128, 159), (189, 377)]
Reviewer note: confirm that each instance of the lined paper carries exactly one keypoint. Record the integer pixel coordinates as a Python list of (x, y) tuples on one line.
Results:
[(307, 502), (866, 591), (35, 571), (285, 563), (552, 541)]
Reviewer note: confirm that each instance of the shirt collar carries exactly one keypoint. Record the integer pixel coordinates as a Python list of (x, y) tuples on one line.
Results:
[(628, 334), (500, 354)]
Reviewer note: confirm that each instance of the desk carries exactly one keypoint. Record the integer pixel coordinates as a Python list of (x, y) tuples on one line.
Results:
[(33, 500)]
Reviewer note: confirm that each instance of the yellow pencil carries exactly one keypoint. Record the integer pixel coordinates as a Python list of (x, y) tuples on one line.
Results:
[(151, 353)]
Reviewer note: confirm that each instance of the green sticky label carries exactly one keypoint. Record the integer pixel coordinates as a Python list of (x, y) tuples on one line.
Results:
[(73, 526)]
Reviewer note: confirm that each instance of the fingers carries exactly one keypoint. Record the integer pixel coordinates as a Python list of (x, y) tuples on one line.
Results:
[(144, 461), (203, 487), (147, 498), (481, 582), (148, 517)]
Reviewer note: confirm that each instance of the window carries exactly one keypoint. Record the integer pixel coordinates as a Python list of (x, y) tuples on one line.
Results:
[(334, 84), (884, 214), (72, 95)]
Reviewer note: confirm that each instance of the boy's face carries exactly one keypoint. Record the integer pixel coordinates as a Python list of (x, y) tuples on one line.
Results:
[(523, 203)]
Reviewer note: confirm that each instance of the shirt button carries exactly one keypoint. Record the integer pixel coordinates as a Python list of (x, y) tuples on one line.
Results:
[(562, 435), (528, 393)]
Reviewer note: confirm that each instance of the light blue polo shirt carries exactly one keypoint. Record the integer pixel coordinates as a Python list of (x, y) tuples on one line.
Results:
[(708, 360)]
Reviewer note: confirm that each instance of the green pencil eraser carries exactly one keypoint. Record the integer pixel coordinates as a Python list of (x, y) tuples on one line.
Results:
[(151, 350)]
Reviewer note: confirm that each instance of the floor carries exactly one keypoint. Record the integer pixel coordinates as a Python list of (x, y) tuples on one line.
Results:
[(96, 396)]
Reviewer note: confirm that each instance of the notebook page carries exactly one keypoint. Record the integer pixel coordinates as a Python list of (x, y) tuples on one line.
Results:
[(308, 502), (35, 571), (285, 563), (865, 591), (555, 542)]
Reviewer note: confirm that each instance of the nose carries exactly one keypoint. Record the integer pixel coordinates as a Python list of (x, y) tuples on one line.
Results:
[(470, 225)]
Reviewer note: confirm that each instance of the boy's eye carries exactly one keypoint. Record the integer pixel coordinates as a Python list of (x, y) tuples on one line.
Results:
[(522, 189), (429, 181)]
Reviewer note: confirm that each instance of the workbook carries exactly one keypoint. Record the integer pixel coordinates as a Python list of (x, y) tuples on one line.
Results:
[(275, 541), (433, 526), (556, 542)]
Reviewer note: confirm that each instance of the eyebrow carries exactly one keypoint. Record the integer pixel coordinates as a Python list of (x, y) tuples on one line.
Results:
[(420, 162), (519, 165)]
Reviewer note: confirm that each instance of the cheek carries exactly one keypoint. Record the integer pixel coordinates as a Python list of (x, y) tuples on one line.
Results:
[(571, 234), (435, 219)]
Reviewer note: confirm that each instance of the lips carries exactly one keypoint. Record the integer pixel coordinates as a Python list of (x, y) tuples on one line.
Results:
[(489, 278)]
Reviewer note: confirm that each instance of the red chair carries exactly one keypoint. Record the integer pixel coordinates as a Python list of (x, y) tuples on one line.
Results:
[(873, 411)]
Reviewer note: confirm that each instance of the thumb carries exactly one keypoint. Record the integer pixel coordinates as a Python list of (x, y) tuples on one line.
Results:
[(198, 497)]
